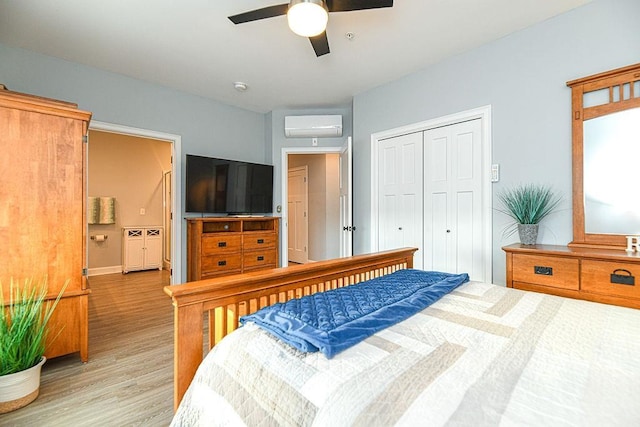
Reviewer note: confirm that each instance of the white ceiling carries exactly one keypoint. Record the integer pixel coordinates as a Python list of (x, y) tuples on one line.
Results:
[(190, 45)]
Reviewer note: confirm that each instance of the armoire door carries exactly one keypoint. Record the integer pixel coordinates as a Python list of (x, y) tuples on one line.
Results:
[(400, 194), (453, 212)]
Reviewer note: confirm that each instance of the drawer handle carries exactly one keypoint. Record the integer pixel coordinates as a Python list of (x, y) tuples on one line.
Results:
[(260, 241), (545, 271), (260, 258), (623, 279), (221, 263), (222, 244)]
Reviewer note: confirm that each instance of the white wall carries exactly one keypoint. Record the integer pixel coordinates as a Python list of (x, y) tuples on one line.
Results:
[(523, 77), (207, 127)]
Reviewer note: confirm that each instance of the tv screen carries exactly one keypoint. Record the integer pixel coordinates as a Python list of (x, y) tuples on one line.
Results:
[(228, 186)]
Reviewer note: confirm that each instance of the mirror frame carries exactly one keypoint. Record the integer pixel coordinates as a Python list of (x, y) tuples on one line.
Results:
[(614, 81)]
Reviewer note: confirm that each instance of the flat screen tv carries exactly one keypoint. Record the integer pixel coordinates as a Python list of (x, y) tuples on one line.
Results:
[(231, 187)]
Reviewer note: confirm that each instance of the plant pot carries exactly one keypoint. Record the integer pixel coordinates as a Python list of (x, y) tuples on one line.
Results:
[(528, 233), (20, 389)]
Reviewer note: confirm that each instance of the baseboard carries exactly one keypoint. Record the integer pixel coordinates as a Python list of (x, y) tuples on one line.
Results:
[(105, 270)]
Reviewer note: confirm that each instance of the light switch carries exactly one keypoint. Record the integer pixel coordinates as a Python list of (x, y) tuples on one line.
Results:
[(142, 211), (495, 172)]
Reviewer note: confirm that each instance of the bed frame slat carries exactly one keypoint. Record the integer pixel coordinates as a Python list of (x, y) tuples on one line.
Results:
[(227, 298)]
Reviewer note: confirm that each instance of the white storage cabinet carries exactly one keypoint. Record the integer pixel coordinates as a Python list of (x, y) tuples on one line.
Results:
[(141, 248)]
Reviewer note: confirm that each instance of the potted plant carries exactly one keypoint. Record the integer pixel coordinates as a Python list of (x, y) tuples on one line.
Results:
[(23, 333), (528, 204)]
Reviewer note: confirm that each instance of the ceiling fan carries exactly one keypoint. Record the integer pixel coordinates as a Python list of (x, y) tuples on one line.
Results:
[(308, 18)]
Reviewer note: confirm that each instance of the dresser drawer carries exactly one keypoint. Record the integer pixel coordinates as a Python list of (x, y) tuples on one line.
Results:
[(254, 241), (221, 263), (259, 259), (555, 272), (221, 243), (596, 277)]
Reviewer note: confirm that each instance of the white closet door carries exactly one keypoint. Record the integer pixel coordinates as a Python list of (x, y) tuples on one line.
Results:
[(453, 221), (400, 194)]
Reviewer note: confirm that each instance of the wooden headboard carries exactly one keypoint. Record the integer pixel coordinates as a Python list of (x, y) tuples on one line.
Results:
[(226, 299)]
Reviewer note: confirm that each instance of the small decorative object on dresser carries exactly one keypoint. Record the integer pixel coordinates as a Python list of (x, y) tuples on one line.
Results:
[(528, 204), (23, 332)]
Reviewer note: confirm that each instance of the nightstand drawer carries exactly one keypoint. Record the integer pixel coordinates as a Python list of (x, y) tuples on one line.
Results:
[(611, 278), (221, 243), (547, 271)]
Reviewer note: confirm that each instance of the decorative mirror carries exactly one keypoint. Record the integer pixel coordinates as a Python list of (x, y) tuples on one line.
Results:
[(606, 157)]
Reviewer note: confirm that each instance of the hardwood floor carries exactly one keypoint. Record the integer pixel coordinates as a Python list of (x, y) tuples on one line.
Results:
[(128, 379)]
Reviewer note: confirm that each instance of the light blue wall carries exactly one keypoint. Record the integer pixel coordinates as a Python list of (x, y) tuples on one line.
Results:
[(279, 141), (523, 77), (207, 127)]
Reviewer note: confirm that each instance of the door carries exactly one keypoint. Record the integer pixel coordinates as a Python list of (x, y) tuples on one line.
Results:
[(153, 248), (168, 215), (133, 247), (400, 194), (453, 219), (297, 207), (346, 209)]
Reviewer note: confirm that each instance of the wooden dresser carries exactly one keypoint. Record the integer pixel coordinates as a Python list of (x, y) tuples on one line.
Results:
[(609, 276), (42, 210), (230, 245)]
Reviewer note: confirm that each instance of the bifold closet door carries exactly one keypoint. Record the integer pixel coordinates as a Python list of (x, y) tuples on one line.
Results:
[(400, 194), (453, 199)]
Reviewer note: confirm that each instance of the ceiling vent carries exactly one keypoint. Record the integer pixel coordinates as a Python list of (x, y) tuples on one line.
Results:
[(313, 126)]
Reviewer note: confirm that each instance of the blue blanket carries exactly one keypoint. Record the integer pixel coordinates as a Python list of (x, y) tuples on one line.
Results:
[(335, 320)]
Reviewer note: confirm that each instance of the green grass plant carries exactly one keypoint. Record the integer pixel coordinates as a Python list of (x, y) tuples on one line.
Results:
[(23, 324), (528, 203)]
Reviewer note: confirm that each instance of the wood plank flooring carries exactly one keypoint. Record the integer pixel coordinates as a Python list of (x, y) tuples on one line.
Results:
[(128, 380)]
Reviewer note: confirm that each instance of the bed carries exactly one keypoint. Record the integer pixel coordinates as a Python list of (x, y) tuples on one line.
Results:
[(480, 355)]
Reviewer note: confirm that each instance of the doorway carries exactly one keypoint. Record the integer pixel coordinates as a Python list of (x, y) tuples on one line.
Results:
[(166, 188), (330, 201)]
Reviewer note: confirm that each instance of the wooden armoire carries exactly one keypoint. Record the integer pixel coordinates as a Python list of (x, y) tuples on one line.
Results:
[(42, 209)]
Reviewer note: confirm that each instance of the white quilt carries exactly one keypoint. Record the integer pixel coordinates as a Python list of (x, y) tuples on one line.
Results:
[(482, 355)]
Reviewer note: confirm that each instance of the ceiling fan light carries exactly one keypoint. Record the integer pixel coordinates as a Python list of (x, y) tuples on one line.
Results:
[(307, 18)]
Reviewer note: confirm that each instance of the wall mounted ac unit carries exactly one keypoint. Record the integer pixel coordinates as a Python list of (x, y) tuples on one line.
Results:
[(312, 126)]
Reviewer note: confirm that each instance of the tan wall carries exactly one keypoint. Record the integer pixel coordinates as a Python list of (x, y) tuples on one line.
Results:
[(131, 170)]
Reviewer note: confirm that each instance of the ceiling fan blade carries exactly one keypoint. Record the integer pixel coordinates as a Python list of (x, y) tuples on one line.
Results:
[(349, 5), (265, 12), (320, 44)]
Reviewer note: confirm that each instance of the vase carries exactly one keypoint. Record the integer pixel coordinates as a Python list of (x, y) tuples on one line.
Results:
[(528, 233), (20, 389)]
